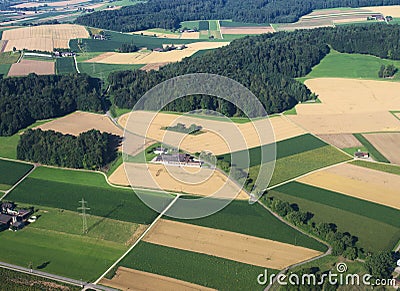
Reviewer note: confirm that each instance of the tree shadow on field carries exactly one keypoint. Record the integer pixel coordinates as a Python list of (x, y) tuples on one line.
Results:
[(42, 266), (94, 225)]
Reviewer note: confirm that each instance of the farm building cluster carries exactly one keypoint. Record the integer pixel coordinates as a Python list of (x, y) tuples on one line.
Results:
[(175, 159), (13, 218)]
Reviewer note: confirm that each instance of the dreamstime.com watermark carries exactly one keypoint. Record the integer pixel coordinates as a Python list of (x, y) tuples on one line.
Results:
[(330, 278)]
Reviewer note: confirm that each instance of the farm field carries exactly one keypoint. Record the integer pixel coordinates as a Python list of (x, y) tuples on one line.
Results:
[(131, 279), (337, 113), (363, 219), (25, 67), (393, 169), (102, 71), (254, 221), (293, 166), (374, 153), (158, 32), (215, 130), (115, 41), (242, 248), (246, 30), (65, 66), (11, 172), (387, 144), (391, 10), (156, 57), (342, 141), (8, 144), (77, 257), (205, 182), (59, 188), (355, 66), (44, 37), (371, 185), (201, 269), (9, 58), (79, 121), (4, 69)]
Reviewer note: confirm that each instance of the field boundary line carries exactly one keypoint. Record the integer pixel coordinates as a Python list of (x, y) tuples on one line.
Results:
[(139, 239), (219, 29), (20, 57), (19, 182), (76, 65)]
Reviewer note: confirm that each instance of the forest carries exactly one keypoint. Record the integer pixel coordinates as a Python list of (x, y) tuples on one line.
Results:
[(24, 100), (265, 64), (169, 14), (90, 150)]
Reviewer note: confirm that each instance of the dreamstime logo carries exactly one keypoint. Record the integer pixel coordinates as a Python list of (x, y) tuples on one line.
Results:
[(325, 278), (176, 168)]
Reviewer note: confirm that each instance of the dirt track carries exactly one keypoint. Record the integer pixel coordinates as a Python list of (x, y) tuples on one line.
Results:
[(130, 279), (230, 245), (363, 183)]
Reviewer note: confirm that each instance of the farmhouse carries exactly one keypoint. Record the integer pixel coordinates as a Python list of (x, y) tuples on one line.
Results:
[(160, 150), (361, 155), (177, 160), (13, 219)]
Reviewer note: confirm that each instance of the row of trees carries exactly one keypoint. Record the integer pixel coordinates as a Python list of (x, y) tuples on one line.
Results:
[(90, 150), (24, 100), (169, 14), (342, 243), (265, 64)]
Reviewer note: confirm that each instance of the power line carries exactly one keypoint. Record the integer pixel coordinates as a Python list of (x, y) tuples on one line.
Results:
[(83, 208)]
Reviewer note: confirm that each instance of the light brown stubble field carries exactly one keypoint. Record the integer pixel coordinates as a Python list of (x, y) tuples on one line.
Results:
[(388, 144)]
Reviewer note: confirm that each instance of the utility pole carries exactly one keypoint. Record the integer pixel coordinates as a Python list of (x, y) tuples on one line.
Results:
[(83, 208)]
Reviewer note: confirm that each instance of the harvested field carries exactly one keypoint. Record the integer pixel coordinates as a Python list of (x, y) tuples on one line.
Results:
[(388, 144), (53, 4), (155, 66), (363, 183), (350, 105), (393, 10), (25, 67), (79, 122), (156, 57), (43, 37), (190, 35), (229, 245), (216, 132), (247, 30), (196, 181), (345, 140), (130, 279)]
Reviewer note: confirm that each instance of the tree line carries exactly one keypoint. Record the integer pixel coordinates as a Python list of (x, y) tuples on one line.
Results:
[(266, 64), (169, 14), (24, 100), (90, 150)]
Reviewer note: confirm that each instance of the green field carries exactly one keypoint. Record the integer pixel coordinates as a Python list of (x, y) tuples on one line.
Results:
[(70, 222), (366, 220), (116, 40), (63, 189), (254, 220), (102, 71), (9, 58), (8, 144), (65, 65), (4, 69), (11, 172), (342, 65), (230, 37), (296, 165), (213, 25), (228, 23), (39, 58), (59, 253), (284, 148), (197, 268), (376, 155), (392, 169), (190, 24)]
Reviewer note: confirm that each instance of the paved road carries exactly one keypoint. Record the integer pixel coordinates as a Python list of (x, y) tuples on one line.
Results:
[(84, 285)]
